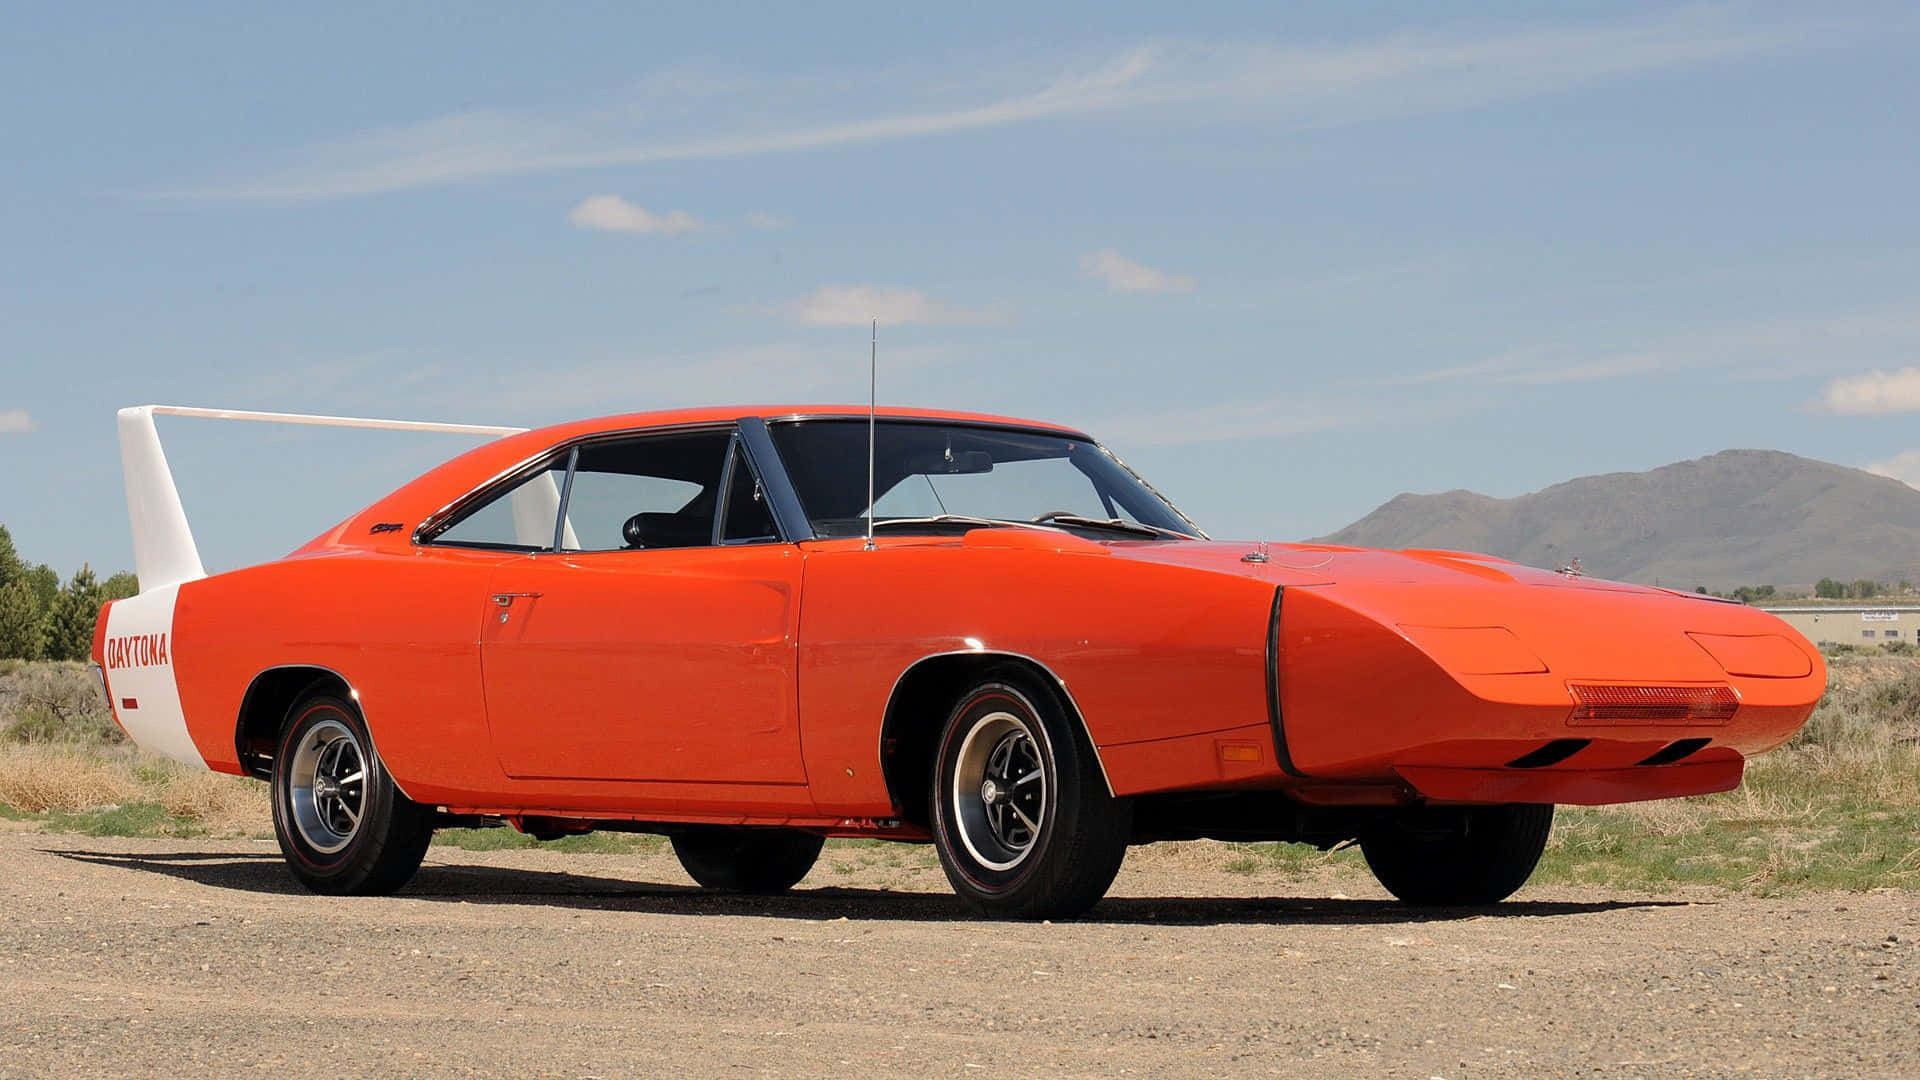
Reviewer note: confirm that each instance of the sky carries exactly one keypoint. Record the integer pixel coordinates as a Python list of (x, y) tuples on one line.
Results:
[(1288, 260)]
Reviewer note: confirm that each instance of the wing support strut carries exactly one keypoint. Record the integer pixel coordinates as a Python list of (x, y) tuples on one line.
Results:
[(164, 552)]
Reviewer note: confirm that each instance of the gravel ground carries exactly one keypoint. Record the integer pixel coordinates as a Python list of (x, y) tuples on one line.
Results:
[(122, 957)]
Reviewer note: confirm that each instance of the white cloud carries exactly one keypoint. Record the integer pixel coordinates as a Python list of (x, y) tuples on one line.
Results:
[(764, 373), (1904, 467), (855, 305), (1781, 348), (1124, 275), (685, 114), (1266, 419), (1873, 393), (760, 219), (16, 422), (611, 213)]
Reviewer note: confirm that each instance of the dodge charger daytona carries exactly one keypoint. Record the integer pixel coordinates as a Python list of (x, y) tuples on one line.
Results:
[(750, 629)]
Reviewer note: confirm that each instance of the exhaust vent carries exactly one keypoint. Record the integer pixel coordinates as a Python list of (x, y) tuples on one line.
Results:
[(1674, 751), (1552, 753), (1612, 704)]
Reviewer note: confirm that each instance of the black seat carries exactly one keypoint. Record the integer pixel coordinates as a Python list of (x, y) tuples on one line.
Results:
[(667, 531)]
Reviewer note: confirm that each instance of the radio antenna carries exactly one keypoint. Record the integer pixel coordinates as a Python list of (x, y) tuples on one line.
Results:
[(873, 407)]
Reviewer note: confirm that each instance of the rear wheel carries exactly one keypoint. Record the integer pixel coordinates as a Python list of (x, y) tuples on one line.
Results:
[(1021, 815), (747, 860), (1459, 856), (343, 826)]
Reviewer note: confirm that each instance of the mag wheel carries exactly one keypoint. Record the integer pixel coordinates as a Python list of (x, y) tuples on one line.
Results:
[(1469, 855), (747, 860), (343, 826), (1021, 816)]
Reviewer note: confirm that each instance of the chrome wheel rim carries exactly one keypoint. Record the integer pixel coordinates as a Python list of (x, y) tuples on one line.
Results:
[(327, 782), (999, 793)]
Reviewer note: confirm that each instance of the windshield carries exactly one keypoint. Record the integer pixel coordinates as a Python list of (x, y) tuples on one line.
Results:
[(935, 477)]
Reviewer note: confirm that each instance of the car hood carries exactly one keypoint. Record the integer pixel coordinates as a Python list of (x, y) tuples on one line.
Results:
[(1326, 564), (1577, 626)]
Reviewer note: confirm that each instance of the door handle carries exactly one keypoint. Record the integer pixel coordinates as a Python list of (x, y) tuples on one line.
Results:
[(505, 599)]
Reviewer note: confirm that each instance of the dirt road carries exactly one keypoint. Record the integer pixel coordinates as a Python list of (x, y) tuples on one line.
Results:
[(121, 957)]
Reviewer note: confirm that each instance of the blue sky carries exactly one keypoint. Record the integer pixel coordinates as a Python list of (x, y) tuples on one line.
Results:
[(1289, 260)]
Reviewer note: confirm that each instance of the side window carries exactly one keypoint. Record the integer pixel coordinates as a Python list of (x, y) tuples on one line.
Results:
[(652, 491), (520, 518), (748, 518)]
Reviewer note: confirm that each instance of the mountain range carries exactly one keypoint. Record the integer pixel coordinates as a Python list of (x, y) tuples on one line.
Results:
[(1739, 517)]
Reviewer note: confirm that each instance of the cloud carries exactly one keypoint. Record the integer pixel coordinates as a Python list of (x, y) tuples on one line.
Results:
[(1124, 275), (620, 381), (611, 213), (1774, 349), (854, 305), (760, 219), (16, 422), (1267, 419), (1904, 467), (691, 114), (1874, 393)]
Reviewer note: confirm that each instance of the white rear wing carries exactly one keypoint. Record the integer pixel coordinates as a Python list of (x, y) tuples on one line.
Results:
[(164, 553)]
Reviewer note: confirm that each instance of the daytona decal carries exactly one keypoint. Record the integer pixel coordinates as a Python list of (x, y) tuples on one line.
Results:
[(137, 650)]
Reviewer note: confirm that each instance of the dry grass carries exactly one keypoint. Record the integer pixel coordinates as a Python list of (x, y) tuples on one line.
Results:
[(62, 758), (219, 804), (39, 779), (79, 786)]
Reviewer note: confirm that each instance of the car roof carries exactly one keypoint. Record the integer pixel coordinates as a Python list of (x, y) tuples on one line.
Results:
[(454, 478), (708, 414)]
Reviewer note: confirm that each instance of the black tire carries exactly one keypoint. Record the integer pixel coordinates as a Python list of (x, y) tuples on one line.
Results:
[(1002, 734), (329, 850), (762, 861), (1465, 856)]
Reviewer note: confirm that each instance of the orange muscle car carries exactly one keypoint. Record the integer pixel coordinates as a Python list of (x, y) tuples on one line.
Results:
[(726, 626)]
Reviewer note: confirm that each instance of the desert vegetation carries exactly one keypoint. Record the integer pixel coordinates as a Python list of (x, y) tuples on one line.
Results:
[(1836, 808)]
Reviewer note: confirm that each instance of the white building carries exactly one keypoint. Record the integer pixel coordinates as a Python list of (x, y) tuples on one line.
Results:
[(1854, 624)]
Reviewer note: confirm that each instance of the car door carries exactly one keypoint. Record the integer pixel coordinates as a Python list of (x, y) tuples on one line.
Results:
[(655, 640)]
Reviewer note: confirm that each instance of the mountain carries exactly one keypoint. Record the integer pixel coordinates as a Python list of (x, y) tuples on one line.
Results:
[(1739, 517)]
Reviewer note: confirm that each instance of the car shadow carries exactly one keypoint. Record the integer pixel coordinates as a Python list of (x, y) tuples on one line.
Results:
[(468, 884)]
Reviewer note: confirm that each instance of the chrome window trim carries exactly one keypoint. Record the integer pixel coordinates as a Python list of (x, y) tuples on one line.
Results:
[(566, 494), (737, 451), (764, 458)]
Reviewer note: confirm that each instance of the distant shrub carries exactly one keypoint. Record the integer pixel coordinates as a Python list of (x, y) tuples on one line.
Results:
[(1897, 648), (54, 703)]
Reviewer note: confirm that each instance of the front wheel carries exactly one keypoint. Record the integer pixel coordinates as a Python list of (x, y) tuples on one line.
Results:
[(343, 826), (1021, 815), (1462, 856)]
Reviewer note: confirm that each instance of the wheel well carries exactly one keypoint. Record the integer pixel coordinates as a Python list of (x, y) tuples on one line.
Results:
[(264, 708), (918, 709)]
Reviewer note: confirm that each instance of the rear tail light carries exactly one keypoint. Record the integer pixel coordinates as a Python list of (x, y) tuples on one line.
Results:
[(1606, 703)]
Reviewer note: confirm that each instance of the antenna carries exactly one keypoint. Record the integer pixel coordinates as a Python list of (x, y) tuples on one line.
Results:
[(873, 385)]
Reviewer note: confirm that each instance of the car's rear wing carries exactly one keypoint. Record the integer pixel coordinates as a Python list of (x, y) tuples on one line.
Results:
[(164, 553)]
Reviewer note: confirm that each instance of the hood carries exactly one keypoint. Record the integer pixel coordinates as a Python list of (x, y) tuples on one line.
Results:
[(1574, 626)]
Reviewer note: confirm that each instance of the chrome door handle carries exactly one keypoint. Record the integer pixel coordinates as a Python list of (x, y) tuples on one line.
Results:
[(505, 599)]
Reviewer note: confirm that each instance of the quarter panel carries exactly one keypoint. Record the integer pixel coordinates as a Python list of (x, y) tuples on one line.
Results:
[(401, 629)]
